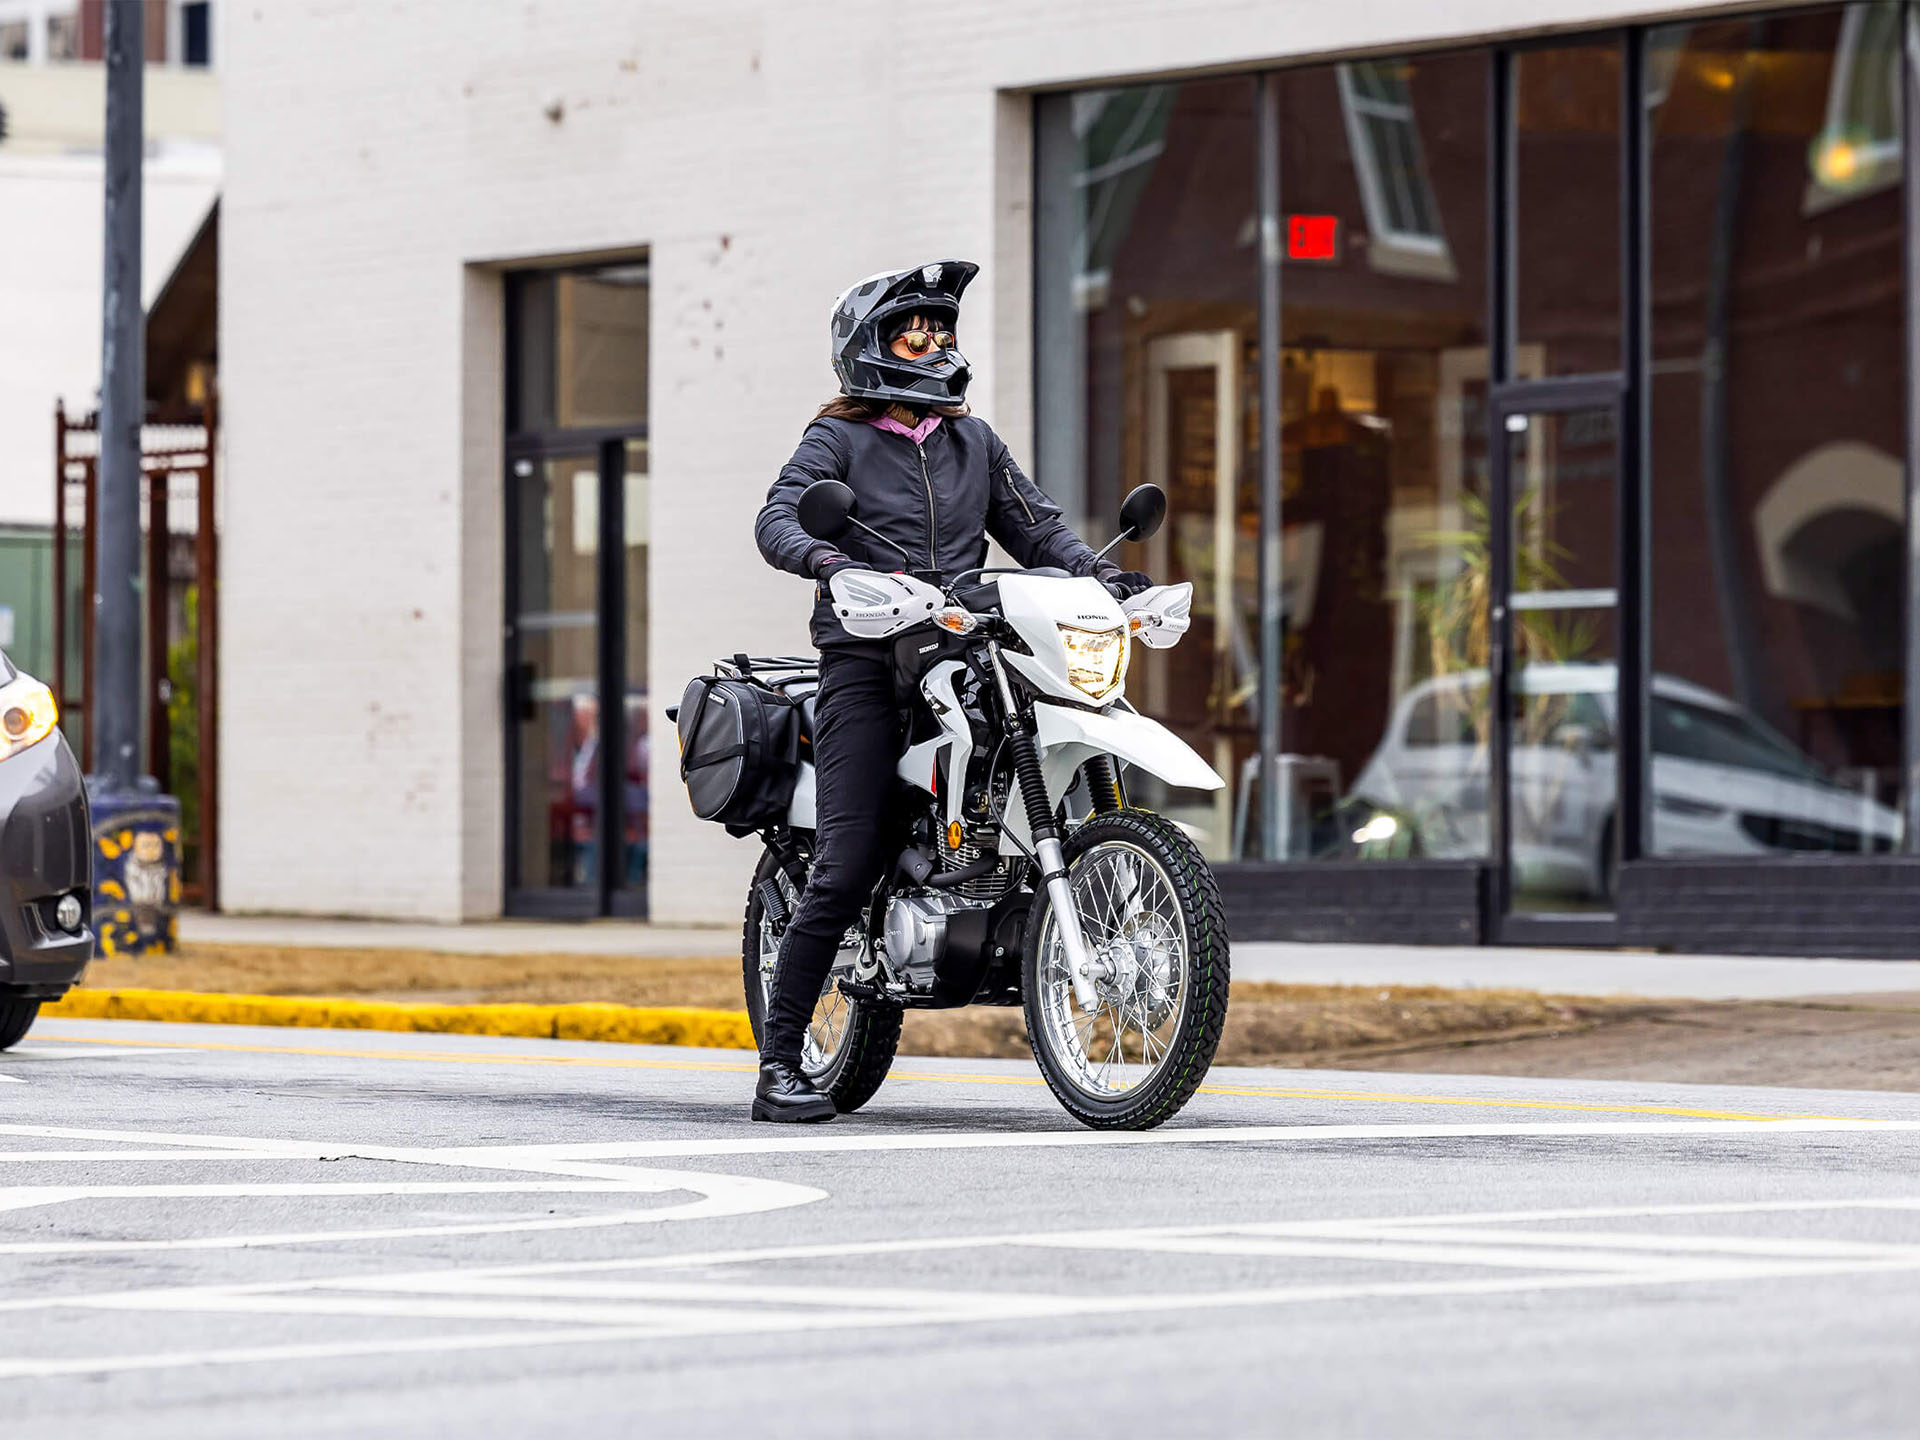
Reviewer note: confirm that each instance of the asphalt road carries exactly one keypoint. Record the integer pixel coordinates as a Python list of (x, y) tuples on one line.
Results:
[(215, 1232)]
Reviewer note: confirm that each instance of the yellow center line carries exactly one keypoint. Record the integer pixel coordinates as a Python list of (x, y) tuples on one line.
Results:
[(739, 1067)]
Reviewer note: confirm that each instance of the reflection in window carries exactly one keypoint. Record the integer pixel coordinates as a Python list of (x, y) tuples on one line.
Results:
[(1384, 555), (1403, 219), (1858, 150), (1147, 343), (1778, 422)]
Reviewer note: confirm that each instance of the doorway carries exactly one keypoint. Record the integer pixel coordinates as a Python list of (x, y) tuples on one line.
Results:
[(1556, 680), (575, 629)]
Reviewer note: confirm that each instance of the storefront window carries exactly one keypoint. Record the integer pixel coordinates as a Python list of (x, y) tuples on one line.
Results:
[(1566, 108), (1778, 432), (1384, 722), (1148, 324)]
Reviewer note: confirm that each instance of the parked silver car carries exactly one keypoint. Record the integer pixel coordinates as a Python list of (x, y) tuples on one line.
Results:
[(1724, 783)]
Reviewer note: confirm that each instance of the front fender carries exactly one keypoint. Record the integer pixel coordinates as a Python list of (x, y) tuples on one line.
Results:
[(1070, 737)]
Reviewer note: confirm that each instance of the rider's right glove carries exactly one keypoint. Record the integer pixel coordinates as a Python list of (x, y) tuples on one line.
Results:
[(825, 562), (1123, 584)]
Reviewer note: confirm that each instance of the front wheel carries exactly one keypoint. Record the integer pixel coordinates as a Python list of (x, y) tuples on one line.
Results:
[(16, 1018), (850, 1044), (1157, 936)]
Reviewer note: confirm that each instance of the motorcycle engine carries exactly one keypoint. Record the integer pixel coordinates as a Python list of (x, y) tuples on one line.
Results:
[(916, 934)]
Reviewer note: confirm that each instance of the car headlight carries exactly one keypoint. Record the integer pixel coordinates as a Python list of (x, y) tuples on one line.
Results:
[(27, 714), (1096, 659)]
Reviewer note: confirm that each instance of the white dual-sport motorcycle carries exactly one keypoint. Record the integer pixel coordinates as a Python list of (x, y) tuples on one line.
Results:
[(1023, 875)]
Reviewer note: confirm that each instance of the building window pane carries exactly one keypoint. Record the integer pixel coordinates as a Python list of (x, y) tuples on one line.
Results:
[(1567, 209), (1384, 721), (1146, 347), (635, 816), (581, 348), (1779, 530)]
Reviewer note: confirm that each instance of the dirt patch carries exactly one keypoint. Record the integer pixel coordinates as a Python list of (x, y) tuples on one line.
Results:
[(1267, 1024), (1870, 1042), (1843, 1043)]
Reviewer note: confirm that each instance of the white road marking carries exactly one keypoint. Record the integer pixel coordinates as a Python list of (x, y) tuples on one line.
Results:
[(614, 1300), (717, 1195), (630, 1311), (863, 1141)]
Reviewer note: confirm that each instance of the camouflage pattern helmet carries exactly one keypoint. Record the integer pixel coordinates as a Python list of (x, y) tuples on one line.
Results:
[(867, 316)]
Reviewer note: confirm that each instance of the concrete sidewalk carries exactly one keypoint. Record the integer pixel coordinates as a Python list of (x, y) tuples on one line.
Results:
[(1567, 972)]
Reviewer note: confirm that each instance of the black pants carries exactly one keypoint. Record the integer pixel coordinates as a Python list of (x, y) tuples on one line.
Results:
[(856, 744)]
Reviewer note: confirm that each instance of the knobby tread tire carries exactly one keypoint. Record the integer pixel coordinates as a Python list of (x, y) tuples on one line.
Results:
[(1208, 976), (16, 1018), (873, 1034)]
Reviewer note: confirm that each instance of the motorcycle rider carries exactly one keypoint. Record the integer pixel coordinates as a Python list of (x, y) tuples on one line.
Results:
[(935, 480)]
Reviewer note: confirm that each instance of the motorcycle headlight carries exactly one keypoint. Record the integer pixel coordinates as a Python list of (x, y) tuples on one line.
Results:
[(27, 714), (1096, 659)]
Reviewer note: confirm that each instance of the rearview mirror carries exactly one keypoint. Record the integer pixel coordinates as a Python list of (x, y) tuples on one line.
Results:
[(826, 509), (1142, 511)]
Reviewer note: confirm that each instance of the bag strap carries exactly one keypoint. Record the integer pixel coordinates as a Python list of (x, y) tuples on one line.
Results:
[(732, 752)]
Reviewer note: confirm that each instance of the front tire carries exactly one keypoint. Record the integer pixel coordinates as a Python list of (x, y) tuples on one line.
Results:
[(1151, 913), (850, 1044), (16, 1018)]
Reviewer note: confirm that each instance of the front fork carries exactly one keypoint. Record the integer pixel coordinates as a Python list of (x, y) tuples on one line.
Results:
[(1046, 840)]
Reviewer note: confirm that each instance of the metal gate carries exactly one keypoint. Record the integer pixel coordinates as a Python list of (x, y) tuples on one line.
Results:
[(181, 672)]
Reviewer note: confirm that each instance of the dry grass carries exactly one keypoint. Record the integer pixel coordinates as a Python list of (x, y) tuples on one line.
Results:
[(1267, 1024)]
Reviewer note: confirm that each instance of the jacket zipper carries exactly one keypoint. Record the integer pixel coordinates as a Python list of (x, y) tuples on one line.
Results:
[(1007, 473), (933, 562)]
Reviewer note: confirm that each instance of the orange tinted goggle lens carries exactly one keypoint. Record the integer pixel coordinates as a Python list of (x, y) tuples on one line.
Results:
[(919, 342)]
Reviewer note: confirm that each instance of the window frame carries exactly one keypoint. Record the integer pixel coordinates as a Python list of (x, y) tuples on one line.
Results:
[(1391, 249)]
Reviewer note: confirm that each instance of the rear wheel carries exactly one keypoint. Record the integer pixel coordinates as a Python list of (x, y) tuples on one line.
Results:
[(16, 1018), (850, 1044), (1157, 935)]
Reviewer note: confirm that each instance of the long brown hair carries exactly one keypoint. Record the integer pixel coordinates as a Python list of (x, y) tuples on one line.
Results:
[(849, 407)]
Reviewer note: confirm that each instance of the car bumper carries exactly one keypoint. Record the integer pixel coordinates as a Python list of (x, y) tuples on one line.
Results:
[(46, 851)]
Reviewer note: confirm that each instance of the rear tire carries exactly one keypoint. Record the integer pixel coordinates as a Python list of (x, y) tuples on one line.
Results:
[(1151, 910), (16, 1018), (864, 1036)]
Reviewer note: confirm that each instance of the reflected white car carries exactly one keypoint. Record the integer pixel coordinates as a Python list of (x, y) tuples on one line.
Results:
[(1724, 783)]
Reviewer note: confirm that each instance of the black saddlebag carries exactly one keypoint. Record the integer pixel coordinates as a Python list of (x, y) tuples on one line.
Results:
[(739, 750)]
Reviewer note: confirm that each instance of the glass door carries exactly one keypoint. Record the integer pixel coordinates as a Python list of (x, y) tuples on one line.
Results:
[(553, 685), (1556, 482)]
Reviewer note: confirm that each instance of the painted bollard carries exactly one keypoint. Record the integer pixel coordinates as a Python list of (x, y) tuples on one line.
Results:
[(136, 872)]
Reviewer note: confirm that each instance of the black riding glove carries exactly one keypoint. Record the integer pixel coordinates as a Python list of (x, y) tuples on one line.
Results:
[(825, 562), (1124, 584)]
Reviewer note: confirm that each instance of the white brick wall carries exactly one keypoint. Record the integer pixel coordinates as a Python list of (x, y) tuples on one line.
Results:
[(385, 161)]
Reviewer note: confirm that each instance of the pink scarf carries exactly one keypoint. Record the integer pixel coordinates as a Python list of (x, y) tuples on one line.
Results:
[(917, 433)]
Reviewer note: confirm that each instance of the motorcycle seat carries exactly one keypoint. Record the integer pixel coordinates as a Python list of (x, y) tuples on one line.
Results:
[(806, 720)]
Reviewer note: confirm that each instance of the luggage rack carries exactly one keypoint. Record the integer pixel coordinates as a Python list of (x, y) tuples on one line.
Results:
[(776, 672)]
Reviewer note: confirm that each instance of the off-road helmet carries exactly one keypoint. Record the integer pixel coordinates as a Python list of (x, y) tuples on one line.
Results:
[(868, 315)]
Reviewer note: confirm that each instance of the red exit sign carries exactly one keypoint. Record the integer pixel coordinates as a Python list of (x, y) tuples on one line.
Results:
[(1313, 237)]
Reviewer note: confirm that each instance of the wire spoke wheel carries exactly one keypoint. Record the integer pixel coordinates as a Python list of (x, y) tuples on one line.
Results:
[(832, 1020), (849, 1045), (1156, 942)]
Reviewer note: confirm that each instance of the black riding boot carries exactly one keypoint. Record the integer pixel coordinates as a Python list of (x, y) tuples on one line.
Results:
[(785, 1094)]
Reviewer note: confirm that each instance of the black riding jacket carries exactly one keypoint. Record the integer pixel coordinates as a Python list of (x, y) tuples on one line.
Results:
[(938, 500)]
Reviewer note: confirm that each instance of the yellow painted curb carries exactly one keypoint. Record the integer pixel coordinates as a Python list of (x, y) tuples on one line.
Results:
[(624, 1024)]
